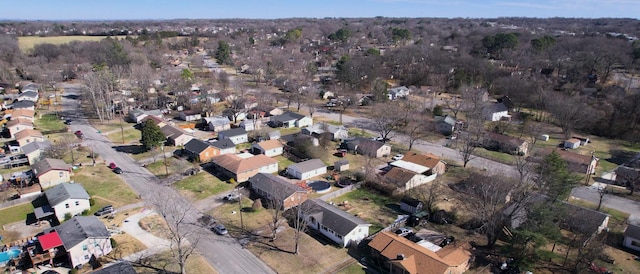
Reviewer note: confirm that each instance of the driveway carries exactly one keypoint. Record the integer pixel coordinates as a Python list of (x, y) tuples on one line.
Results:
[(223, 253)]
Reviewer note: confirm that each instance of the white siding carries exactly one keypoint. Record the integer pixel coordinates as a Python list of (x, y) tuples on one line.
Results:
[(81, 253), (71, 206), (272, 168), (632, 243)]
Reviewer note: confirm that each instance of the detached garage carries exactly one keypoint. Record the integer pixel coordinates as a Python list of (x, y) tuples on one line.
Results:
[(307, 169)]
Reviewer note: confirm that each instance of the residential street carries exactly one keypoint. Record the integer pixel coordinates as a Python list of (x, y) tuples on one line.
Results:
[(222, 252), (590, 193)]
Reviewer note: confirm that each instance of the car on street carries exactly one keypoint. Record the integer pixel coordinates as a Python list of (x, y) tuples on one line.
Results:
[(79, 134), (105, 210), (219, 229), (68, 122), (112, 165), (117, 170), (398, 157)]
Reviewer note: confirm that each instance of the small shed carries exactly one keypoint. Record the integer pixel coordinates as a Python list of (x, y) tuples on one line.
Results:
[(544, 137), (411, 205), (341, 165), (572, 143)]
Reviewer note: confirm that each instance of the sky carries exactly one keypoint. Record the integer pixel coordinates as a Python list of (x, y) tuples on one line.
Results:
[(272, 9)]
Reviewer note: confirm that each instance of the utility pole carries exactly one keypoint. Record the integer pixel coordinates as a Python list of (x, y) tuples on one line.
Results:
[(166, 168), (240, 211)]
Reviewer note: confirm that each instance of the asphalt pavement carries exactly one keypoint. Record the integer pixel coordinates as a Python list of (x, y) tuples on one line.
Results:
[(224, 253)]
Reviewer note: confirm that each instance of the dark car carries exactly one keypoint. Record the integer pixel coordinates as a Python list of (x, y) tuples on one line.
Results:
[(105, 210), (117, 170), (219, 229), (68, 121)]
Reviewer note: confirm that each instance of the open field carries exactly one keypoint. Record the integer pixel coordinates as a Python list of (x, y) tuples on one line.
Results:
[(201, 185), (15, 213), (104, 186), (27, 43)]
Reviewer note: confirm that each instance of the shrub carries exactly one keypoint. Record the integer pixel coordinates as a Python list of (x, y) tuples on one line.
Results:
[(67, 216), (114, 244), (257, 205), (92, 201)]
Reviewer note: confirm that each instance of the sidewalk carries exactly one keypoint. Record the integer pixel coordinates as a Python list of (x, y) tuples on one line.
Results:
[(154, 244)]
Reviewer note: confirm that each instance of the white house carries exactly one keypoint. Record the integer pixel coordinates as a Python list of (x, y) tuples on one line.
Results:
[(65, 199), (51, 172), (307, 169), (251, 124), (495, 112), (572, 143), (398, 92), (336, 132), (137, 115), (83, 237), (291, 119), (339, 226), (190, 115), (217, 123), (236, 135), (405, 179), (18, 124), (632, 235), (28, 95), (269, 148), (225, 146)]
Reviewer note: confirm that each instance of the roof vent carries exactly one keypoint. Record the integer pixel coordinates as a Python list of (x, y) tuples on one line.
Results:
[(400, 256)]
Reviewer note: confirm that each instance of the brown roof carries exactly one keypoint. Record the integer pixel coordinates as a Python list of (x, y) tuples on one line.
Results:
[(17, 121), (236, 164), (23, 112), (569, 156), (427, 160), (28, 132), (399, 176), (505, 139), (419, 259), (154, 119), (170, 131), (269, 144)]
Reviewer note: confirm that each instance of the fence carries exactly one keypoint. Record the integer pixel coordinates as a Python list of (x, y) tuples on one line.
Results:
[(340, 192)]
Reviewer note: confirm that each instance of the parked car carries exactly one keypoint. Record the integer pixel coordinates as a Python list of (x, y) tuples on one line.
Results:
[(118, 170), (79, 134), (404, 231), (398, 157), (68, 122), (112, 165), (231, 197), (105, 210), (207, 220), (219, 229)]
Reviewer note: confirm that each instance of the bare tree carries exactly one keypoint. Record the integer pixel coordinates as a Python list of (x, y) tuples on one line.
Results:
[(569, 113), (298, 217), (430, 195), (385, 119), (99, 89), (454, 104)]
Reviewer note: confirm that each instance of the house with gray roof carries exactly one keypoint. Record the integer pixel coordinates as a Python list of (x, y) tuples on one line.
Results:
[(34, 150), (334, 223), (307, 169), (495, 112), (632, 233), (51, 172), (320, 129), (236, 135), (175, 135), (225, 146), (29, 95), (64, 199), (24, 105), (398, 92), (368, 147), (290, 119), (445, 124), (84, 237), (217, 123), (137, 115), (277, 191)]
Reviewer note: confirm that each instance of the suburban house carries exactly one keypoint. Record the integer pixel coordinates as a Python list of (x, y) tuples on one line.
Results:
[(24, 105), (28, 114), (121, 267), (236, 135), (137, 115), (339, 226), (398, 92), (217, 123), (411, 205), (368, 147), (495, 112), (321, 129), (34, 150), (160, 122), (83, 237), (28, 95), (63, 199), (572, 143), (18, 124), (274, 135), (504, 143), (404, 179), (225, 146), (51, 172), (427, 160), (26, 136), (290, 119), (251, 124), (307, 169), (632, 233), (402, 255), (269, 148), (200, 151), (578, 163), (626, 175), (242, 167), (175, 136), (190, 115), (277, 190), (445, 124)]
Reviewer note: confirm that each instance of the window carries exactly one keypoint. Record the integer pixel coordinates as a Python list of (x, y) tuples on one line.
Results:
[(66, 205), (77, 203), (634, 243), (86, 257), (84, 247), (61, 174)]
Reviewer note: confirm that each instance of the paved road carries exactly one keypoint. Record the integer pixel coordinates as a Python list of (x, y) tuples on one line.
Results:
[(424, 146), (222, 252), (590, 193)]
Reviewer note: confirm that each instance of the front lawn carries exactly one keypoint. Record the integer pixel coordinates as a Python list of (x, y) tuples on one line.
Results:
[(15, 213), (369, 206), (173, 166), (112, 125), (131, 135), (49, 122), (201, 185), (104, 186)]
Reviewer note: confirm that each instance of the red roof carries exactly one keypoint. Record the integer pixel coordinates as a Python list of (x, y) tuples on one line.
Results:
[(49, 241)]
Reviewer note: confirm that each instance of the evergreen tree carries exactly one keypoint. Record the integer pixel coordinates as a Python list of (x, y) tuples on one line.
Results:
[(152, 137), (554, 179), (223, 53)]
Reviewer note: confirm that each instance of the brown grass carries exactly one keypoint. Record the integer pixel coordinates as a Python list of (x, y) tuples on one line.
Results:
[(155, 225), (195, 264), (26, 43)]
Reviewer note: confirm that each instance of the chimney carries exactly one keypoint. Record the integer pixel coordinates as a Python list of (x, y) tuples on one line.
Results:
[(400, 257)]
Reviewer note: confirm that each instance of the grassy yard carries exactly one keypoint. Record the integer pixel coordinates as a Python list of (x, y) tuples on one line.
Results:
[(49, 122), (173, 166), (369, 206), (131, 135), (104, 186), (201, 185), (15, 213), (27, 43), (497, 156), (283, 162), (110, 125), (164, 260)]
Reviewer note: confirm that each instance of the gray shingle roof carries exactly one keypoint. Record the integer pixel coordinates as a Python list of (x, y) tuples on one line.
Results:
[(170, 131), (122, 267), (233, 132), (23, 104), (308, 165), (65, 191), (632, 231), (223, 144), (33, 146), (332, 217), (29, 93), (446, 119), (196, 146), (287, 116), (79, 228), (46, 164), (275, 185)]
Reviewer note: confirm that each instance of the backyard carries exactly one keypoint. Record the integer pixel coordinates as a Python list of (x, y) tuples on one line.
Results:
[(15, 213)]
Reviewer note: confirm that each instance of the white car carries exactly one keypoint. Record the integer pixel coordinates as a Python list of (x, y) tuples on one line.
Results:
[(398, 157)]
